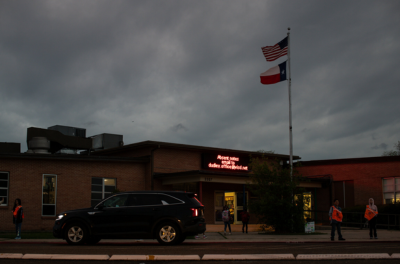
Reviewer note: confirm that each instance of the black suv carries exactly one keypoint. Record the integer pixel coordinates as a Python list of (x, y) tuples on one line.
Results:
[(167, 216)]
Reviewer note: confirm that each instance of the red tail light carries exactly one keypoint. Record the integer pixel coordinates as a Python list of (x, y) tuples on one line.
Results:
[(195, 212)]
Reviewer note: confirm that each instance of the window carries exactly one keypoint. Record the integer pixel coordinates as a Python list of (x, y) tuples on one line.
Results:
[(49, 195), (391, 190), (144, 200), (116, 201), (4, 179), (102, 188)]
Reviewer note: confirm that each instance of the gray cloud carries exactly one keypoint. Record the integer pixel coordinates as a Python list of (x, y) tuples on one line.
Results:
[(179, 127), (198, 64), (380, 146)]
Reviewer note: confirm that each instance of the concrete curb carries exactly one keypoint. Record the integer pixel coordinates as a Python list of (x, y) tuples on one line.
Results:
[(66, 257), (155, 257), (248, 257), (10, 256), (343, 256), (206, 257)]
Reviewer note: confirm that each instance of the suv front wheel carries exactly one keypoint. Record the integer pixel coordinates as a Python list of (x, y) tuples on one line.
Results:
[(76, 234), (168, 234)]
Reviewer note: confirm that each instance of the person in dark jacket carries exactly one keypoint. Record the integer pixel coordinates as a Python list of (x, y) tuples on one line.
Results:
[(18, 216), (245, 219)]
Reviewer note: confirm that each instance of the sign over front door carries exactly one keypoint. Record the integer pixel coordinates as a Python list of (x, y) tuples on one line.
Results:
[(225, 162)]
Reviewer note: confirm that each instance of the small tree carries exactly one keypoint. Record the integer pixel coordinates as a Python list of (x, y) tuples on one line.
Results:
[(395, 152), (279, 200)]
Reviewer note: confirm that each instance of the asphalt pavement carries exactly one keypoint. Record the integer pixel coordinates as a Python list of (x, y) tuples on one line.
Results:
[(321, 236), (252, 247)]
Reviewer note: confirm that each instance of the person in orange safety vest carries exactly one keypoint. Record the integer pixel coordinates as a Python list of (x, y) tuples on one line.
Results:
[(18, 216), (371, 213), (336, 216)]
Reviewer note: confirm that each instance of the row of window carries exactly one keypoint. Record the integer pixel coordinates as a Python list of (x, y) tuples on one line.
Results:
[(104, 187), (101, 188)]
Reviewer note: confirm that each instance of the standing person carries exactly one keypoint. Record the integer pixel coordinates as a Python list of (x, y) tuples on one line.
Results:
[(18, 216), (245, 219), (371, 214), (227, 219), (336, 216)]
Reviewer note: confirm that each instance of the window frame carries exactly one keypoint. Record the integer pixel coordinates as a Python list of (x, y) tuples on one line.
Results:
[(7, 188), (395, 191), (55, 196), (103, 188)]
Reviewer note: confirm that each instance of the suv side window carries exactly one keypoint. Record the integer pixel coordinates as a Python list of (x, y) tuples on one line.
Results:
[(116, 201), (166, 199), (143, 200)]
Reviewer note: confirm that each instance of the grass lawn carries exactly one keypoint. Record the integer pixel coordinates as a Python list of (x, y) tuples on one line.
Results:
[(29, 235)]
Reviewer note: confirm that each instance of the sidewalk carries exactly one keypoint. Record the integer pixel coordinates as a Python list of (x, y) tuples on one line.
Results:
[(351, 236)]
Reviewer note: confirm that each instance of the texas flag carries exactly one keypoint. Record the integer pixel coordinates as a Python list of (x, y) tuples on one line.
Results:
[(274, 75)]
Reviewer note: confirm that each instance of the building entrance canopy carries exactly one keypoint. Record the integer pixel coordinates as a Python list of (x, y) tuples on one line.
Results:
[(215, 177)]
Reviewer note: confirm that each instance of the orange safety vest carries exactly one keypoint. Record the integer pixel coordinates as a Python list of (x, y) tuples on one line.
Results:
[(337, 215), (15, 213), (369, 213)]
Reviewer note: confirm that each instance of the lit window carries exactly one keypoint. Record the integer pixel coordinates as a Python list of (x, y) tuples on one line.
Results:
[(391, 190), (102, 188), (49, 195), (4, 179)]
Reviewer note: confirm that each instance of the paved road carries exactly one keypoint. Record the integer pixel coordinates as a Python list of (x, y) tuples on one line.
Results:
[(204, 248)]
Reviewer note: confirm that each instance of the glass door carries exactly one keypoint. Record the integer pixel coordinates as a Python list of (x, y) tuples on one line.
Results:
[(230, 199), (241, 204)]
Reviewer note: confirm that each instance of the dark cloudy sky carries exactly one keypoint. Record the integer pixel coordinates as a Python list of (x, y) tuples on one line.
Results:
[(188, 72)]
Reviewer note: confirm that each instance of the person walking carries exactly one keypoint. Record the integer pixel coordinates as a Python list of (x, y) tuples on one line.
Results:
[(336, 216), (371, 214), (245, 219), (227, 219), (18, 216)]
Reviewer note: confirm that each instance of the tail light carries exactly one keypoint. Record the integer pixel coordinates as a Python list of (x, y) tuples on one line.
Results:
[(195, 212)]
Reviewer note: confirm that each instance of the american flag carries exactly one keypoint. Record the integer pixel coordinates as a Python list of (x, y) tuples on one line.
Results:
[(280, 49)]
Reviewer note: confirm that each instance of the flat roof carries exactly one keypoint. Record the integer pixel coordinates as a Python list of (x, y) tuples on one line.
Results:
[(73, 157), (350, 161), (150, 143)]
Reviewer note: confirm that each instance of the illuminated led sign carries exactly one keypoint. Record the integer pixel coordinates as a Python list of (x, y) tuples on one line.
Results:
[(225, 162)]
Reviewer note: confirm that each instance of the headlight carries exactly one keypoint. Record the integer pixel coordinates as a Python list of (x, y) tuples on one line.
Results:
[(59, 217)]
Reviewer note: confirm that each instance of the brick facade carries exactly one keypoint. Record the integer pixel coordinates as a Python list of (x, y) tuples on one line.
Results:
[(367, 174), (73, 185)]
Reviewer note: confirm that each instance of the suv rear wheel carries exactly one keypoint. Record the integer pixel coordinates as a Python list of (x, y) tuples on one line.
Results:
[(76, 234), (168, 234)]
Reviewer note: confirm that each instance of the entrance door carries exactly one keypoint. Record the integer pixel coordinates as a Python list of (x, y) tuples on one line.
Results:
[(230, 201), (241, 204)]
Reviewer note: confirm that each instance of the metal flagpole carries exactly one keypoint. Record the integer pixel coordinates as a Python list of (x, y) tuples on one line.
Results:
[(290, 109), (290, 118)]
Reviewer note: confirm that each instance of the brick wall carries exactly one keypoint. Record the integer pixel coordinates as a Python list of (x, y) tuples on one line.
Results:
[(73, 186), (367, 177)]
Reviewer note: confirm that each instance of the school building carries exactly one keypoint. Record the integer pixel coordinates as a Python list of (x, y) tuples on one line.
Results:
[(49, 181)]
